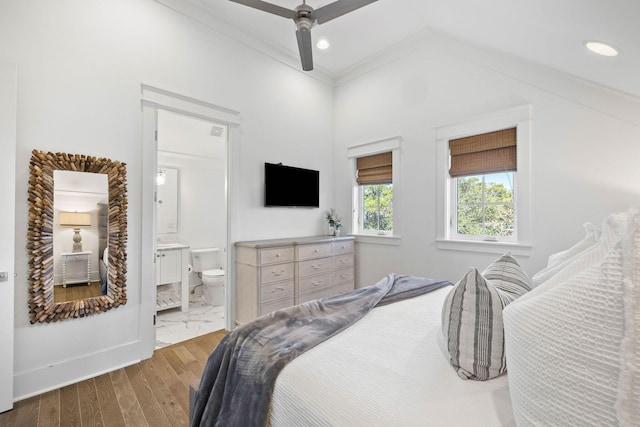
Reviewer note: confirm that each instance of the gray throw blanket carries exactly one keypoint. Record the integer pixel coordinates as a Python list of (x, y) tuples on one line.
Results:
[(240, 374)]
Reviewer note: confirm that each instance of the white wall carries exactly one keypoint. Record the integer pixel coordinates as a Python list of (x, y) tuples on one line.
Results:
[(201, 160), (80, 65), (584, 150)]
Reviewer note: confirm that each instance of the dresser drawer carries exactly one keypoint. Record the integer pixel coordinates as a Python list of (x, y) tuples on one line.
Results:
[(319, 250), (342, 247), (314, 266), (275, 305), (343, 276), (276, 272), (309, 284), (343, 261), (274, 255), (343, 288), (276, 291), (310, 296)]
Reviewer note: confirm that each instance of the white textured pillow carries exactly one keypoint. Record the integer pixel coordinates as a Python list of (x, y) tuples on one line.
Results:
[(472, 318), (561, 259), (592, 234), (613, 228), (573, 349)]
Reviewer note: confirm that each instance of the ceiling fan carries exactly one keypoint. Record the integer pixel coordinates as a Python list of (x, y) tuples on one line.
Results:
[(305, 17)]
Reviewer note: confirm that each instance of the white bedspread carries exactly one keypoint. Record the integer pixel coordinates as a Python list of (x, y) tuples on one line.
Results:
[(387, 370)]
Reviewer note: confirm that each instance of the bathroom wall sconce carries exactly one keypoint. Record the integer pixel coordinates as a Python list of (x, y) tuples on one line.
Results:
[(161, 177), (75, 220)]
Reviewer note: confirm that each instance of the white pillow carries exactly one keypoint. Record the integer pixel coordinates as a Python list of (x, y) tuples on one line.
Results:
[(613, 228), (592, 234), (561, 259), (472, 318), (573, 349)]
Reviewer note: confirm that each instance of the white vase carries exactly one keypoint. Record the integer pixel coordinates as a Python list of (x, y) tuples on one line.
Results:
[(332, 230)]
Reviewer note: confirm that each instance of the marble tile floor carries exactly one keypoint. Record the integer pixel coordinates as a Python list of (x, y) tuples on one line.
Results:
[(173, 326)]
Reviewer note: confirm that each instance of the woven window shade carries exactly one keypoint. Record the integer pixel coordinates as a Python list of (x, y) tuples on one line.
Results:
[(375, 169), (486, 153)]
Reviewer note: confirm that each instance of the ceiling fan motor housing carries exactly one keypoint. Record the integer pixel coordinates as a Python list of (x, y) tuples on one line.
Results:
[(304, 17)]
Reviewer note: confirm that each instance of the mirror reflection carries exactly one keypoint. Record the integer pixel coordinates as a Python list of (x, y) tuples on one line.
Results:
[(80, 235)]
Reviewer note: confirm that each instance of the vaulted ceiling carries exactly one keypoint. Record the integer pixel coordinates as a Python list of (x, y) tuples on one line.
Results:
[(548, 32)]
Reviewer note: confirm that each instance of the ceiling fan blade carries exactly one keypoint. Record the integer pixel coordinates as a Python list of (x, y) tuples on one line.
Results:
[(268, 7), (304, 45), (338, 8)]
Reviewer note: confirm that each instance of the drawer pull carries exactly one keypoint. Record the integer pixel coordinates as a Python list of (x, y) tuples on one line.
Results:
[(316, 267), (279, 288), (278, 255), (316, 283), (342, 247), (315, 251), (342, 276), (275, 273)]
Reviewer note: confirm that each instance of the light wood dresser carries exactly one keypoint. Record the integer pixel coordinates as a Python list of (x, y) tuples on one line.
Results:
[(274, 274)]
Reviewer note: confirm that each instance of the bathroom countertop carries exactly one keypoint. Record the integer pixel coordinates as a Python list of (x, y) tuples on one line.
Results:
[(170, 246)]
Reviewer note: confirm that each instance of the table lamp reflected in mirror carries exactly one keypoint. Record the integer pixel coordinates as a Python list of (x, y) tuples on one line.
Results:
[(75, 220)]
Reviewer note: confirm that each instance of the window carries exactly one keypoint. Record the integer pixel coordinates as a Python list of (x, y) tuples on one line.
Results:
[(483, 183), (376, 191), (374, 175), (485, 207), (377, 208), (483, 200)]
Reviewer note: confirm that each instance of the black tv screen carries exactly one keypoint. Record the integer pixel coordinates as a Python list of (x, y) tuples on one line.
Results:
[(292, 187)]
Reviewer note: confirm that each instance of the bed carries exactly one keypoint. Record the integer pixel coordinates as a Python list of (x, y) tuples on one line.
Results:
[(387, 369), (569, 334)]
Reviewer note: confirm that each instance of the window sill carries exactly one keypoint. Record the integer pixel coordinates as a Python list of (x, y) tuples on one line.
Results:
[(520, 249), (377, 240)]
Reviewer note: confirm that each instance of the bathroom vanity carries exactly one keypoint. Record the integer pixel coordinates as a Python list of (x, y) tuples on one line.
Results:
[(172, 261), (274, 274)]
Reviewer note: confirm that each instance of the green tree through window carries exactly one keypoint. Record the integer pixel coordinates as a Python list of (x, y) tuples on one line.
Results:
[(485, 205), (377, 207)]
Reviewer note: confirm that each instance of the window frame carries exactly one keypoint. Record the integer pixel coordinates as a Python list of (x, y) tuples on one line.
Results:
[(519, 117), (369, 236)]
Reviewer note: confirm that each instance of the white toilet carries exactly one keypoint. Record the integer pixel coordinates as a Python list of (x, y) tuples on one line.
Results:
[(207, 263)]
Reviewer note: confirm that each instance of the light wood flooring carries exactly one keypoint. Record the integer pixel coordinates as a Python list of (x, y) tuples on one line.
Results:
[(151, 393), (74, 292)]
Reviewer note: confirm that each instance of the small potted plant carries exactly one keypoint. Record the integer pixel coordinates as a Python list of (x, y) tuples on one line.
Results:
[(334, 223)]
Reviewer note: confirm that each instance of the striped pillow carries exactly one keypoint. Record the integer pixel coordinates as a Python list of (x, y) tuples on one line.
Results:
[(472, 318)]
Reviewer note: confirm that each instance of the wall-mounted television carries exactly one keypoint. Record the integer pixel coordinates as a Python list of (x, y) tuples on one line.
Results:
[(290, 186)]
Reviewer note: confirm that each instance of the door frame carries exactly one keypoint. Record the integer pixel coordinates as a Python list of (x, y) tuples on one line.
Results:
[(154, 99), (8, 97)]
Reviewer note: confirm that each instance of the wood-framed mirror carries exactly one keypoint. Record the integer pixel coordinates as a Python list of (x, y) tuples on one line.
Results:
[(44, 220)]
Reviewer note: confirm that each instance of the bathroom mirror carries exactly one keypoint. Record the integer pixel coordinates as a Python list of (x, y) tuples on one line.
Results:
[(43, 220), (167, 207)]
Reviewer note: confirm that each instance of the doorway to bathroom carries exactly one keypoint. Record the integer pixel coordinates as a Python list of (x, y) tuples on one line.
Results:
[(191, 226)]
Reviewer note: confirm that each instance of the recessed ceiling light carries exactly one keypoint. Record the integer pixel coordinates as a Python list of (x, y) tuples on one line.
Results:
[(323, 44), (601, 48)]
